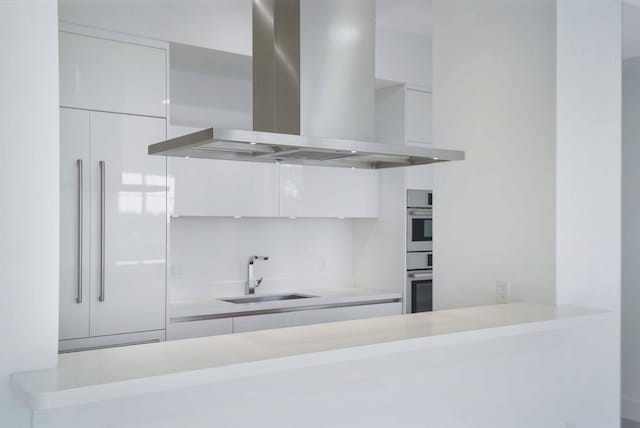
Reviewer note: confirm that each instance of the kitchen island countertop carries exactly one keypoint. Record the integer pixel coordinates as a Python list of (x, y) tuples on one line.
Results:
[(105, 374)]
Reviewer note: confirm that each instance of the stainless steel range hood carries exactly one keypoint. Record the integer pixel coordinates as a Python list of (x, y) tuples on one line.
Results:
[(255, 146), (313, 94)]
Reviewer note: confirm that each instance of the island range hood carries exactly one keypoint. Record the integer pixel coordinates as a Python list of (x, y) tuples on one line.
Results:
[(313, 94)]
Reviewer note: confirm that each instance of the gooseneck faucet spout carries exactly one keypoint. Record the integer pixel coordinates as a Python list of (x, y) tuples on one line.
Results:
[(252, 283)]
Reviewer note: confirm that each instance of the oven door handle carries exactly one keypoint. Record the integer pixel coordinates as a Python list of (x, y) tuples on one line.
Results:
[(421, 213), (421, 275)]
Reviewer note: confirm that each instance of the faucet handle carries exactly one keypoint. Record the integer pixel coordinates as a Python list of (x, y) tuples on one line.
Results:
[(259, 282)]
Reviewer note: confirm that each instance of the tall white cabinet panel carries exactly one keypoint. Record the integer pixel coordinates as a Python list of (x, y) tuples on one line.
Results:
[(206, 187), (419, 117), (310, 191), (108, 75), (75, 164), (128, 199)]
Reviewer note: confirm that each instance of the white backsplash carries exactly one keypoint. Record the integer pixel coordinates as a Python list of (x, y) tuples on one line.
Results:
[(208, 255)]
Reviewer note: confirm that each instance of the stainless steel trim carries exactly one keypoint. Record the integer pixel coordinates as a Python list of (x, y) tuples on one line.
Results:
[(421, 213), (80, 230), (117, 345), (268, 147), (421, 275), (102, 228), (276, 66), (281, 310)]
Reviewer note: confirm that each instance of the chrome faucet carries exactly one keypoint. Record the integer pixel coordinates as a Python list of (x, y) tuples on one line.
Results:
[(252, 284)]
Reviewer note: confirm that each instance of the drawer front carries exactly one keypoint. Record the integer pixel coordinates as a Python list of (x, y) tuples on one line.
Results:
[(316, 316), (260, 322), (372, 311), (186, 330)]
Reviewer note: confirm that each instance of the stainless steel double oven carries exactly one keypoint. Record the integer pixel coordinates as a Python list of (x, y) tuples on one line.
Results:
[(419, 294)]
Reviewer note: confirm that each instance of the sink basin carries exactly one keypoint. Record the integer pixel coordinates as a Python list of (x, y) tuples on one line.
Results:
[(266, 298)]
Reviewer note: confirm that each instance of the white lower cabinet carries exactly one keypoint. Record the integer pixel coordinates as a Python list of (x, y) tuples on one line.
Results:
[(260, 322), (244, 324), (113, 227), (315, 316), (372, 311), (189, 329)]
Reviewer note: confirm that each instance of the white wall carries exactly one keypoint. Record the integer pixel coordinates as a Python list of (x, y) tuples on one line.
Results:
[(588, 153), (208, 256), (29, 191), (221, 24), (631, 239), (494, 70)]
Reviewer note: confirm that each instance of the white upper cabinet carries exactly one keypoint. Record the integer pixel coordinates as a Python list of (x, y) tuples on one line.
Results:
[(419, 117), (112, 76), (218, 188), (207, 187), (314, 191)]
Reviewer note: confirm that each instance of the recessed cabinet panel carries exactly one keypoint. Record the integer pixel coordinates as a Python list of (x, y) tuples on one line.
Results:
[(128, 221), (75, 185), (107, 75), (419, 117), (311, 191), (206, 187)]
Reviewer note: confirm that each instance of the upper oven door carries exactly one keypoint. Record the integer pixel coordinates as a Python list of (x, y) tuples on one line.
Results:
[(419, 230)]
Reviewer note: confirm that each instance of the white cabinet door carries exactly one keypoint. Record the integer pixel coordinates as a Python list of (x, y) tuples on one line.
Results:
[(207, 187), (107, 75), (260, 322), (187, 330), (134, 221), (419, 116), (75, 137), (372, 311), (310, 191), (315, 316)]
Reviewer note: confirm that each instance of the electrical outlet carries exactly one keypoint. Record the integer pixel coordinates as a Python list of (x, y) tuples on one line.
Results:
[(502, 291)]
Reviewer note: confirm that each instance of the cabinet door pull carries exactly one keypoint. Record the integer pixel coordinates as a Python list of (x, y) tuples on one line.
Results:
[(80, 230), (102, 228)]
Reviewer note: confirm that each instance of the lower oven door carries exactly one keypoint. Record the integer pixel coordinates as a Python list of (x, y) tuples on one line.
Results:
[(421, 291)]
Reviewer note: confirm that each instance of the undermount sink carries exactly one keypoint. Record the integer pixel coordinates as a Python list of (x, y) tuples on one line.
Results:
[(266, 298)]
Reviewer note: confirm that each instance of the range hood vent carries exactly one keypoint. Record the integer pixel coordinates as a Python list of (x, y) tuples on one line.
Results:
[(313, 96), (269, 147)]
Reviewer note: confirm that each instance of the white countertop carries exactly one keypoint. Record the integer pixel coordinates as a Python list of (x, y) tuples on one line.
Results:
[(324, 296), (97, 375)]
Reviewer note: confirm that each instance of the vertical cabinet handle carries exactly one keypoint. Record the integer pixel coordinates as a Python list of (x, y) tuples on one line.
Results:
[(102, 228), (80, 230)]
